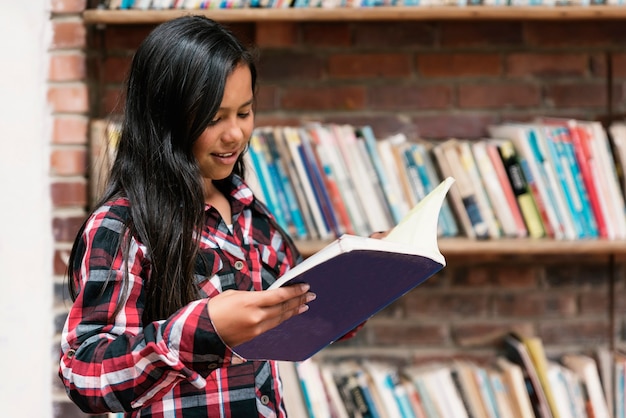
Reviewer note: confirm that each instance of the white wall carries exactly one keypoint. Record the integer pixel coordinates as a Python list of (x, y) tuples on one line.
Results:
[(26, 243)]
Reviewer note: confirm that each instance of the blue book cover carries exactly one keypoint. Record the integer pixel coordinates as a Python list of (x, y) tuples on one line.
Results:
[(291, 201), (430, 178), (260, 167), (317, 182), (569, 190), (589, 221), (368, 137)]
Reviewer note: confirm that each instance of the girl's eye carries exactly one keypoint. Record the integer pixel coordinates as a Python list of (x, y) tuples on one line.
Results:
[(214, 122), (244, 115)]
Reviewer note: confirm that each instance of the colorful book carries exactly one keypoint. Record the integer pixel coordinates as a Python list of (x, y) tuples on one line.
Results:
[(519, 185), (462, 196), (354, 265)]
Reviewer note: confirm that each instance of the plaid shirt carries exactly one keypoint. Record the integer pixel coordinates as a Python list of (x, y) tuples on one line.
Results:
[(179, 366)]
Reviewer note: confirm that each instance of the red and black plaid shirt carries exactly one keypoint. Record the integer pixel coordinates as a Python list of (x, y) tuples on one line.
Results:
[(177, 367)]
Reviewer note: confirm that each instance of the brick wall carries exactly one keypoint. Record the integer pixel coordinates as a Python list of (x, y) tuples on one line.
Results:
[(429, 79)]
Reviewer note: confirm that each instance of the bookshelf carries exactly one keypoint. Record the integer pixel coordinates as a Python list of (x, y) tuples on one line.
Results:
[(453, 248), (121, 17)]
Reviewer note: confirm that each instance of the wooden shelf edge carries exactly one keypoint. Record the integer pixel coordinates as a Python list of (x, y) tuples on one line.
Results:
[(455, 247), (599, 12)]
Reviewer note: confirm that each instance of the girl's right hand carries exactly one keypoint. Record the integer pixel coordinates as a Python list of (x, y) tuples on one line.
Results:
[(240, 315)]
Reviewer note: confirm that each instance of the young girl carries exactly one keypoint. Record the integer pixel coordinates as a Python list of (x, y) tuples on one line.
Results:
[(169, 271)]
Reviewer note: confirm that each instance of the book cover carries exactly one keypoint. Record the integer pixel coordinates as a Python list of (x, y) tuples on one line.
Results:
[(348, 277)]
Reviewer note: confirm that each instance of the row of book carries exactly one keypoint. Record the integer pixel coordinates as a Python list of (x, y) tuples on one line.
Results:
[(522, 381), (553, 178), (230, 4)]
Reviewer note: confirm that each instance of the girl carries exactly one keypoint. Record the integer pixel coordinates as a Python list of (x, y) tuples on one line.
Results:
[(169, 271)]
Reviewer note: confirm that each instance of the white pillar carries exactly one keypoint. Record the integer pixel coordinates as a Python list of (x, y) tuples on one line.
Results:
[(26, 244)]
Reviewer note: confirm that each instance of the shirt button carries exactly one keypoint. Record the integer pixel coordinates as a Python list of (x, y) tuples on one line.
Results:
[(212, 366), (71, 353), (238, 265), (265, 399)]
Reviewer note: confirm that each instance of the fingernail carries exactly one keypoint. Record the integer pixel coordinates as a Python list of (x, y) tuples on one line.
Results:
[(305, 287), (303, 308), (310, 297)]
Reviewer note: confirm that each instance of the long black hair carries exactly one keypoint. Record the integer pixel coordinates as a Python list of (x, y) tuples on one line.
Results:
[(173, 91)]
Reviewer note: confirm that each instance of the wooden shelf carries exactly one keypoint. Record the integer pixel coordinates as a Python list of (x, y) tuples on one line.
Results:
[(121, 17), (454, 247)]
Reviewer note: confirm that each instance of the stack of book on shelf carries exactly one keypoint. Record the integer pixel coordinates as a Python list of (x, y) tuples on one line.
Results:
[(521, 381), (329, 4), (322, 181), (550, 178)]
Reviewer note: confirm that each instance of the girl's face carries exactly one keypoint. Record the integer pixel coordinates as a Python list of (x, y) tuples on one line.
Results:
[(223, 141)]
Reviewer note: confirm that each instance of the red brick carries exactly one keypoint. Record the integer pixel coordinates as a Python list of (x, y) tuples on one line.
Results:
[(421, 304), (406, 333), (69, 98), (369, 65), (326, 34), (276, 34), (67, 162), (458, 65), (69, 130), (535, 305), (596, 302), (460, 125), (266, 98), (598, 33), (577, 331), (472, 96), (64, 229), (581, 94), (547, 65), (60, 260), (125, 37), (382, 124), (471, 34), (485, 334), (112, 101), (244, 31), (68, 34), (68, 194), (278, 120), (410, 97), (323, 98), (398, 34), (68, 6), (285, 66), (518, 276), (67, 67), (116, 68), (618, 64)]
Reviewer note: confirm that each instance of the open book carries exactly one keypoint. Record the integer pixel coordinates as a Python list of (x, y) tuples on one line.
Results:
[(354, 278)]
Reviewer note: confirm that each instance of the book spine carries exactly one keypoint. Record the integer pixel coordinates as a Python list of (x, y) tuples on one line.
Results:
[(521, 229), (520, 189), (582, 155), (564, 175)]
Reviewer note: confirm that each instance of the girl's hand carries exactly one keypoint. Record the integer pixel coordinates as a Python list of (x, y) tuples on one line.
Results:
[(239, 316)]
